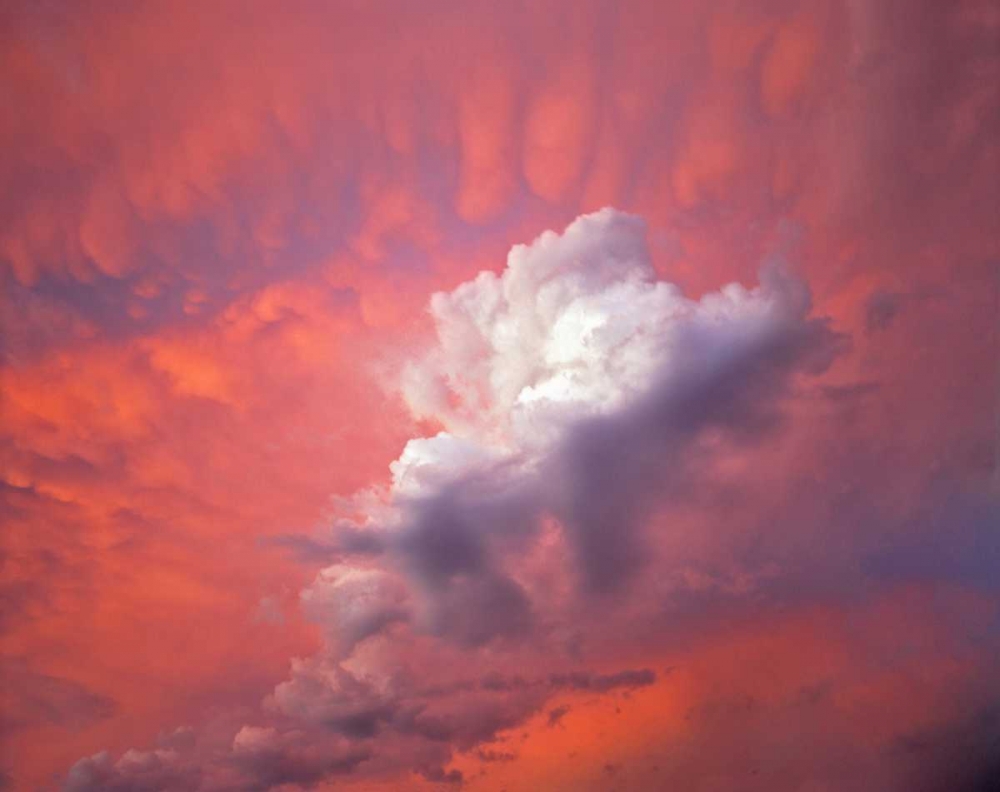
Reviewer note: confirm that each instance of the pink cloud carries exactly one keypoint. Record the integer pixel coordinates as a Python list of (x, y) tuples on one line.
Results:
[(220, 235)]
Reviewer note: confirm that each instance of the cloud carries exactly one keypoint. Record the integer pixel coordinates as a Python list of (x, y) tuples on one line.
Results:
[(270, 759), (585, 406), (557, 714), (571, 387), (135, 771), (355, 602), (880, 310), (199, 266), (258, 759), (604, 683), (31, 698)]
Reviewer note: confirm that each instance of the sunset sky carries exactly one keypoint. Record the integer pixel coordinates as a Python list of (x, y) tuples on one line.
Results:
[(540, 396)]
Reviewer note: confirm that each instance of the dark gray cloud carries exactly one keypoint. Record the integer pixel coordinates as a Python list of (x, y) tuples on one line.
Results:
[(268, 758), (488, 755), (881, 309), (602, 683), (135, 771), (344, 540), (615, 469), (556, 714), (47, 700)]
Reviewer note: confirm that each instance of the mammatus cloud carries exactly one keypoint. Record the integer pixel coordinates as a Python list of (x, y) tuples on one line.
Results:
[(197, 262), (574, 390)]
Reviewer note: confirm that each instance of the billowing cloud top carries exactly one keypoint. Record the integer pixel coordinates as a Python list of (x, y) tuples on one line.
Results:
[(576, 326)]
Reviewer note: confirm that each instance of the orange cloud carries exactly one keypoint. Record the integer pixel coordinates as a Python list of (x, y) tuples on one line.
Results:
[(558, 130), (788, 66), (220, 228), (487, 116)]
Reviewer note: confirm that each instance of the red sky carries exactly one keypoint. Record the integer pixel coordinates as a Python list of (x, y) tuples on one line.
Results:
[(275, 519)]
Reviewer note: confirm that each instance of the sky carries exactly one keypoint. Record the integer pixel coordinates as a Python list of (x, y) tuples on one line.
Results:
[(567, 396)]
